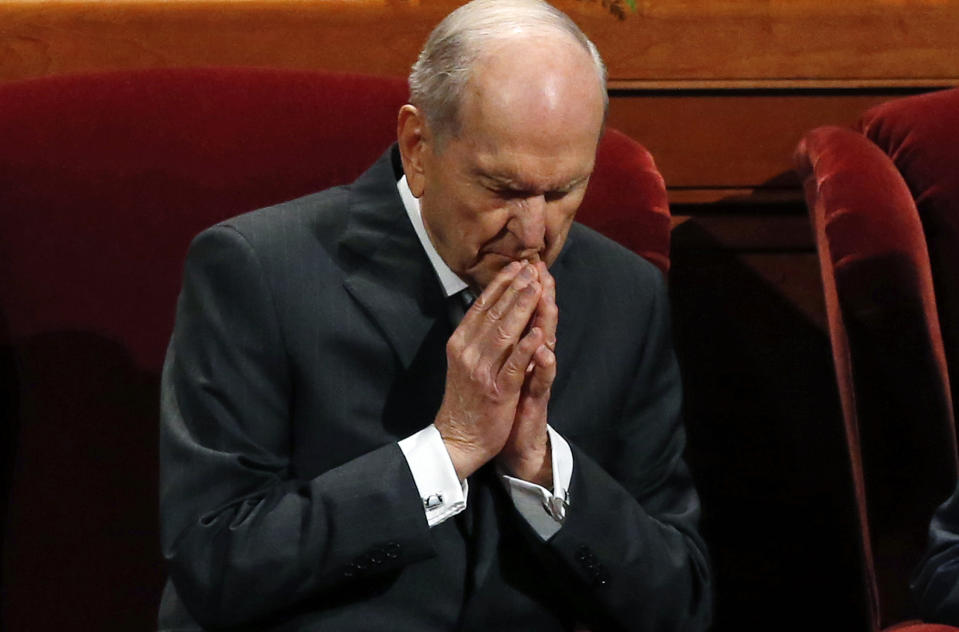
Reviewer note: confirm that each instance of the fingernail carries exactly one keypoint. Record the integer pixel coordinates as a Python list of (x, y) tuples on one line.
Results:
[(527, 272)]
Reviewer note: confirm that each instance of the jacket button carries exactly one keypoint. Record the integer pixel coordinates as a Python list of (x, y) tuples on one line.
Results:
[(599, 575), (585, 556)]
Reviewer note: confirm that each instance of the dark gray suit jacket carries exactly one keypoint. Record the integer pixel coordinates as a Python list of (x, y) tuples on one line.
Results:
[(310, 337), (936, 586)]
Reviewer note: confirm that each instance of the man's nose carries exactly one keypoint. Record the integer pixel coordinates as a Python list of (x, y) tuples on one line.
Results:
[(530, 223)]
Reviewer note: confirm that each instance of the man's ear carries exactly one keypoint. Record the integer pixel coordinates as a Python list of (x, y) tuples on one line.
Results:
[(413, 137)]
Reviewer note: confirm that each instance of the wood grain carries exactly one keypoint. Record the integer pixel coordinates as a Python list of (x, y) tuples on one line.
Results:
[(708, 144), (671, 42)]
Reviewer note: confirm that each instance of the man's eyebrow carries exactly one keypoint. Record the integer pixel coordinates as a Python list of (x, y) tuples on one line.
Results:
[(501, 180), (507, 182), (575, 182)]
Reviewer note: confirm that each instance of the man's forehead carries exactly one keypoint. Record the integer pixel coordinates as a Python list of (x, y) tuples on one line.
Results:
[(544, 77)]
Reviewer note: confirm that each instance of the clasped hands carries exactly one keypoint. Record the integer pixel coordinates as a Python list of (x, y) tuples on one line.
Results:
[(501, 366)]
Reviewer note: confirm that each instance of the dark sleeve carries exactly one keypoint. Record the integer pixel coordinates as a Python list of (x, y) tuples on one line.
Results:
[(630, 539), (936, 586), (243, 536)]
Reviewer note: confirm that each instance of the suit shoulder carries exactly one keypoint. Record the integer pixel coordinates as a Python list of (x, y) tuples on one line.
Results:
[(286, 241), (288, 227), (606, 286), (322, 210), (594, 254)]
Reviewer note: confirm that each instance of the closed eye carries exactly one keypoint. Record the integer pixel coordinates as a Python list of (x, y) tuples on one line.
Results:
[(508, 194)]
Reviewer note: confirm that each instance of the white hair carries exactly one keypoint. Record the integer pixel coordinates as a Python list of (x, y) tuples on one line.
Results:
[(438, 78)]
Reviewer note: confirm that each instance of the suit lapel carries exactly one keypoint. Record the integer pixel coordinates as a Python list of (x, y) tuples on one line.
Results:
[(392, 278)]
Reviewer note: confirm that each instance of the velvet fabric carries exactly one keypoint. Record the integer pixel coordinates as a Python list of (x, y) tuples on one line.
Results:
[(888, 353), (104, 179), (921, 135), (916, 626)]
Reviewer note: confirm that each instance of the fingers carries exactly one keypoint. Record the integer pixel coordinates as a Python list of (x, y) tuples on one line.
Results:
[(500, 370), (522, 292), (497, 299), (526, 453), (496, 321), (540, 380), (514, 368), (493, 291), (547, 313)]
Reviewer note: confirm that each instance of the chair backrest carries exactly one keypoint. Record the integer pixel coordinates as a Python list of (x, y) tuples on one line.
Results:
[(626, 199), (888, 354), (104, 179), (921, 136)]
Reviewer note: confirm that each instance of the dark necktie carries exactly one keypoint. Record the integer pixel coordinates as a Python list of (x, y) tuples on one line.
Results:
[(457, 306)]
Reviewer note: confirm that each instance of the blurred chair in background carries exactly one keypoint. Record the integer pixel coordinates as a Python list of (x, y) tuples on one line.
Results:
[(921, 136), (883, 206)]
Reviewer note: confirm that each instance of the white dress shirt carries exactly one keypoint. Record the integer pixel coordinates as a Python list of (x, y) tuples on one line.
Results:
[(443, 494)]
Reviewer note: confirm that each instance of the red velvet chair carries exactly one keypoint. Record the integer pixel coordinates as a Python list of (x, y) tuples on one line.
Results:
[(921, 136), (104, 179), (888, 349)]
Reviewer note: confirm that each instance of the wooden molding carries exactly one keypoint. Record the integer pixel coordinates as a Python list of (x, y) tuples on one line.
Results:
[(665, 43)]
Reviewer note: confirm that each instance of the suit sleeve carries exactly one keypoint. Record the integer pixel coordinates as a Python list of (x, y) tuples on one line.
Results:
[(630, 544), (936, 586), (243, 536)]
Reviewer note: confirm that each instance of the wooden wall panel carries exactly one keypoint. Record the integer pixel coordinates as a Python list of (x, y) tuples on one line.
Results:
[(733, 146), (375, 37), (757, 40), (663, 43)]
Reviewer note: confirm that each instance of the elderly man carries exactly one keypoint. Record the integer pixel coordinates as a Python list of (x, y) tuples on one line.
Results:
[(343, 448)]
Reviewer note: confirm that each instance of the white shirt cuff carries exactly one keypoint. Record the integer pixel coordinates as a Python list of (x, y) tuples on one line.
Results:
[(443, 494), (545, 510)]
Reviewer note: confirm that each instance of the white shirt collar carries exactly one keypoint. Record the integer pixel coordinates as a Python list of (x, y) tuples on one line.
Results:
[(451, 283)]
